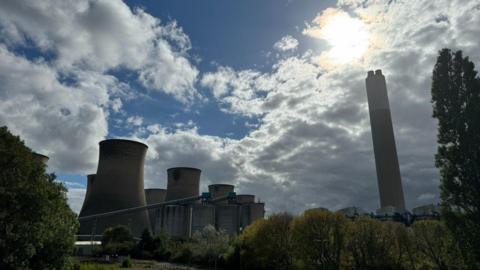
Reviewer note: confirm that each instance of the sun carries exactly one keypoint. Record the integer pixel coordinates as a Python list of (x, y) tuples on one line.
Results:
[(347, 37)]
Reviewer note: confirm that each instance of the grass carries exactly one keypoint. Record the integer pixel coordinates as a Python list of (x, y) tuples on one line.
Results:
[(136, 264)]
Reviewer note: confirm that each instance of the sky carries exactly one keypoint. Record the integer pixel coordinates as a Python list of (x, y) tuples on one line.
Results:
[(266, 95)]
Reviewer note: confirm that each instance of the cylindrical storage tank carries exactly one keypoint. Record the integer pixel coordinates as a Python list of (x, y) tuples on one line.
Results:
[(41, 158), (154, 195), (257, 211), (226, 218), (220, 190), (202, 216), (183, 182), (118, 185), (245, 198), (90, 181), (175, 220)]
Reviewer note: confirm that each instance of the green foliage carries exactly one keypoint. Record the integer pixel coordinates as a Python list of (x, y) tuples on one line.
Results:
[(150, 247), (127, 262), (319, 238), (456, 105), (267, 244), (118, 240), (210, 245), (374, 244), (37, 225), (436, 246)]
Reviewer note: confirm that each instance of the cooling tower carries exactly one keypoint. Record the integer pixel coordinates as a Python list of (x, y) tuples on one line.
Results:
[(220, 190), (386, 160), (90, 180), (155, 195), (40, 158), (118, 185), (183, 182)]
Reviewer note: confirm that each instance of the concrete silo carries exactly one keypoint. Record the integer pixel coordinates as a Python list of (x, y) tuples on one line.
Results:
[(220, 190), (118, 185), (155, 195), (386, 160)]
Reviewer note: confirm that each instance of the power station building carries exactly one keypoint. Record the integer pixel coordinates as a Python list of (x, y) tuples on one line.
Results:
[(118, 184), (386, 160)]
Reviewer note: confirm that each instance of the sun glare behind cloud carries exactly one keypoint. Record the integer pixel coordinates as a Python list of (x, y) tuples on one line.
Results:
[(347, 36)]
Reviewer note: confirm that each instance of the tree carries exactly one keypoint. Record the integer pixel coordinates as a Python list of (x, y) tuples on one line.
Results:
[(435, 245), (37, 227), (210, 244), (319, 238), (117, 240), (267, 243), (456, 105), (373, 244)]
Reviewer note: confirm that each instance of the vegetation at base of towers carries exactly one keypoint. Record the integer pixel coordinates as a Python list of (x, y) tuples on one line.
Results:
[(37, 226), (316, 239), (456, 105), (117, 240)]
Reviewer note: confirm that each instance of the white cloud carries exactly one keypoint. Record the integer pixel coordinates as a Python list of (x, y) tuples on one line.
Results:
[(287, 43), (101, 36), (75, 198), (313, 144), (135, 120)]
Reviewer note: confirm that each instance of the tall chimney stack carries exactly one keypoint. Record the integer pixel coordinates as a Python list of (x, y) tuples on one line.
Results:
[(386, 160)]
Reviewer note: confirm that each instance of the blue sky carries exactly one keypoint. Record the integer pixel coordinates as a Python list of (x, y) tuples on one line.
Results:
[(267, 95)]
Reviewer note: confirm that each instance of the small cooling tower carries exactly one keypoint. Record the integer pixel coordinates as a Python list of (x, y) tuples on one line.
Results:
[(183, 182), (41, 158), (118, 185), (220, 190)]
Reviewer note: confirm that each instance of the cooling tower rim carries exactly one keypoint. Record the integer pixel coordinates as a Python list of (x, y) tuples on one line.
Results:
[(221, 185), (184, 168), (40, 155), (91, 174), (122, 140), (155, 189), (245, 195)]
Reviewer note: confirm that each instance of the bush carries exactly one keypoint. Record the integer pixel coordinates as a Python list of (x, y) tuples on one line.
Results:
[(117, 240), (127, 263)]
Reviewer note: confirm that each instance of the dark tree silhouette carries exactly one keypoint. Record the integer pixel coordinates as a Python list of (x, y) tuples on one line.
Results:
[(37, 226), (456, 105)]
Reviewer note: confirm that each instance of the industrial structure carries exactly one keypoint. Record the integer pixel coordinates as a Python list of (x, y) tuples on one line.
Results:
[(386, 160), (118, 184), (116, 195)]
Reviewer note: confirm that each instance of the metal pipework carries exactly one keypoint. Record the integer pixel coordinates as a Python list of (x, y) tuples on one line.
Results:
[(141, 208)]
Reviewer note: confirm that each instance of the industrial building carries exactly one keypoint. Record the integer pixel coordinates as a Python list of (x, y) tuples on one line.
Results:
[(386, 160), (119, 185)]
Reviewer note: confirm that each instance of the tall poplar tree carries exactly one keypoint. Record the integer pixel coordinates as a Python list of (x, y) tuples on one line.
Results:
[(456, 105)]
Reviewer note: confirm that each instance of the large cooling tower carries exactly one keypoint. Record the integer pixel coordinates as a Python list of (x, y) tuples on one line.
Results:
[(41, 158), (220, 190), (118, 185), (155, 195), (183, 182), (386, 160)]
